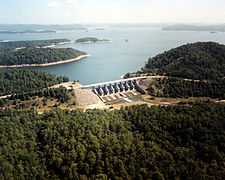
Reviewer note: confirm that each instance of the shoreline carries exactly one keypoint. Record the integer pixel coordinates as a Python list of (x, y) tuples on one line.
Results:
[(46, 64), (48, 46), (55, 44)]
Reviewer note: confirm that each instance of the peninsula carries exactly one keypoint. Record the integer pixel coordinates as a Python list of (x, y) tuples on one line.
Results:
[(92, 40), (16, 45), (37, 53), (40, 57), (46, 64)]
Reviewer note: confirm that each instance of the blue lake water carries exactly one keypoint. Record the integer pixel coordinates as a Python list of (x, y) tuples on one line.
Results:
[(108, 61)]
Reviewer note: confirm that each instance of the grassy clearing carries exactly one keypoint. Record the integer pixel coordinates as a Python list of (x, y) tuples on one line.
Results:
[(177, 100)]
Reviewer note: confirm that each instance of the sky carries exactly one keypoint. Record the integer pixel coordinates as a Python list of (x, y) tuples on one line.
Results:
[(111, 11)]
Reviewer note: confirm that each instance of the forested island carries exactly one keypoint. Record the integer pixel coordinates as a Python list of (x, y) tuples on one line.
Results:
[(37, 53), (91, 40), (99, 29)]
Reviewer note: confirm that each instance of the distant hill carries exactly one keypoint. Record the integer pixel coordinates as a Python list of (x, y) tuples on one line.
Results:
[(201, 60), (27, 31), (195, 27), (38, 27)]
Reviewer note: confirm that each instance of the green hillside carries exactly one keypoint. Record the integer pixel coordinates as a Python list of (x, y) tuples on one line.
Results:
[(201, 60), (21, 80), (137, 142), (179, 88)]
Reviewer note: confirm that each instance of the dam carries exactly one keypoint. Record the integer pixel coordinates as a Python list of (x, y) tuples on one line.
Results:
[(115, 90)]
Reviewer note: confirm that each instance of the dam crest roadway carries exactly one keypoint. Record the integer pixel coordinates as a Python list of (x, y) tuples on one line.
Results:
[(115, 90), (109, 91)]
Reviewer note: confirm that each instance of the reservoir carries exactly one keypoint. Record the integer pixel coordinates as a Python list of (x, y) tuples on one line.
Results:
[(130, 49)]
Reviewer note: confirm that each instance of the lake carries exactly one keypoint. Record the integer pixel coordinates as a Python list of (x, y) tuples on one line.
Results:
[(108, 61)]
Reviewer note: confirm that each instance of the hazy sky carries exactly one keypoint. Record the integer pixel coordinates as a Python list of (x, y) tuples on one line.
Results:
[(112, 11)]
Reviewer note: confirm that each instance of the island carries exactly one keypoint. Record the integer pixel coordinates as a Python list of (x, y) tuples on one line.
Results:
[(37, 53), (99, 29), (92, 40)]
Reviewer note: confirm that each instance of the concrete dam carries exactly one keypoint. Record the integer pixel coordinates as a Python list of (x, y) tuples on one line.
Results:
[(115, 90)]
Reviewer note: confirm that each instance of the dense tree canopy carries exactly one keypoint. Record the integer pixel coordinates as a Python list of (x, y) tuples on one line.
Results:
[(38, 56), (202, 60), (12, 45), (174, 87), (30, 54), (22, 80), (137, 142), (90, 39)]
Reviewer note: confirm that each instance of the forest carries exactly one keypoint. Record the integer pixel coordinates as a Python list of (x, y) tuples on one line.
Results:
[(22, 80), (38, 56), (201, 60), (90, 39), (137, 142), (179, 88), (60, 93), (12, 45), (48, 98)]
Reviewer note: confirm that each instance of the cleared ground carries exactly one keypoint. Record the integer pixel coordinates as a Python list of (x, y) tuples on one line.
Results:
[(88, 99)]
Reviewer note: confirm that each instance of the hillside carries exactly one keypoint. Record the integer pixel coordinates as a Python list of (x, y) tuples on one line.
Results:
[(21, 80), (137, 142), (179, 88), (201, 60)]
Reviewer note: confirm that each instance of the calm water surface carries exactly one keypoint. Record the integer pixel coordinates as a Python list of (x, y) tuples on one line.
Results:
[(108, 61)]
